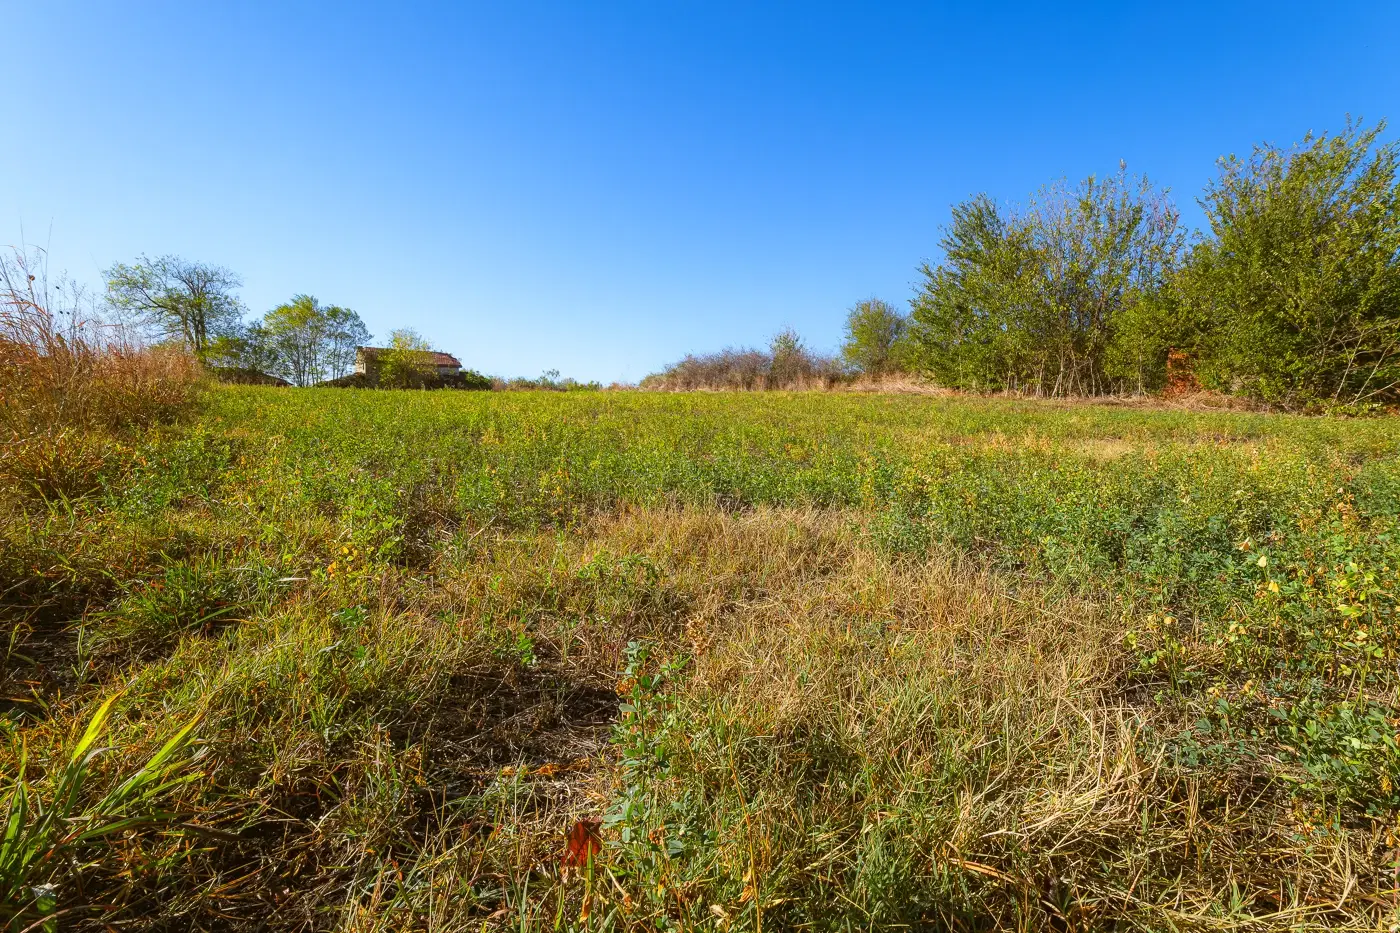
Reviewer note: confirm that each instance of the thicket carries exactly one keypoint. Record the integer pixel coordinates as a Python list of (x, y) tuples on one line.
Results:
[(1292, 296), (1044, 300), (788, 363)]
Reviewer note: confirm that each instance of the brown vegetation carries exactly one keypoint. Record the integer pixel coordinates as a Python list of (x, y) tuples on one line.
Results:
[(68, 385), (748, 370)]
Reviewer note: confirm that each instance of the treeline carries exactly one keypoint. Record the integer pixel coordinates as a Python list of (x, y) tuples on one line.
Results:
[(1290, 297), (192, 306)]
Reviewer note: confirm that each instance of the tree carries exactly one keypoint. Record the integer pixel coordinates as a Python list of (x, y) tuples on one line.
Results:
[(345, 333), (1295, 298), (311, 341), (874, 337), (249, 347), (407, 362), (1034, 300), (299, 332), (187, 301)]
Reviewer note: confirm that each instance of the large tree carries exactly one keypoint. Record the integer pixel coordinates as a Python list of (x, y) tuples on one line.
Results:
[(345, 333), (182, 300), (298, 331), (1295, 298), (1035, 300)]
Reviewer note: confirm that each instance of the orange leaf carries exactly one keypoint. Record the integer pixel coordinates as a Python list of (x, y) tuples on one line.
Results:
[(583, 843)]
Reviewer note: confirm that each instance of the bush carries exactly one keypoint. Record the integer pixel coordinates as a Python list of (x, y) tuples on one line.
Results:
[(876, 338), (549, 381), (468, 379), (1296, 298)]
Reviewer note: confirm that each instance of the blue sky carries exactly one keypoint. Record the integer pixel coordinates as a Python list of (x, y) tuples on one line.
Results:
[(600, 188)]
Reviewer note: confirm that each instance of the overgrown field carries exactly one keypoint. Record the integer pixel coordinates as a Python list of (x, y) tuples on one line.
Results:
[(365, 660)]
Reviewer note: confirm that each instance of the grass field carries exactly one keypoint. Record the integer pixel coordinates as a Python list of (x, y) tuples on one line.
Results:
[(817, 661)]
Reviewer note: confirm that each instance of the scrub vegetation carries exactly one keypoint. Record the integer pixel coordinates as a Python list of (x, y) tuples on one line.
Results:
[(1289, 299), (618, 660)]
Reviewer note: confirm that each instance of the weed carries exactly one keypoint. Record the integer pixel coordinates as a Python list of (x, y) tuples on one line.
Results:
[(49, 838)]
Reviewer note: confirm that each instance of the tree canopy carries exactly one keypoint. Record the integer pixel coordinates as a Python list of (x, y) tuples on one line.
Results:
[(191, 302), (1036, 299)]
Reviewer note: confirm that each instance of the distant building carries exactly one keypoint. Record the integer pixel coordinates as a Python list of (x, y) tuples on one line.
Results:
[(367, 361)]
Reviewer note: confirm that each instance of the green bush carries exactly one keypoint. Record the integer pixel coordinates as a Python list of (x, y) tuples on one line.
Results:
[(1295, 297)]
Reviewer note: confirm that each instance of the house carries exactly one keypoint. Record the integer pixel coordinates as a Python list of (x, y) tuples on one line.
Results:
[(367, 361)]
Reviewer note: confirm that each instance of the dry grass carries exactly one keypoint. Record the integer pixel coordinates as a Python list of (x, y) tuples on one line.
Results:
[(846, 738), (916, 740), (69, 384)]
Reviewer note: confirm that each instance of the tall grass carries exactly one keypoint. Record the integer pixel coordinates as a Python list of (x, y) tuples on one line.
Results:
[(69, 382)]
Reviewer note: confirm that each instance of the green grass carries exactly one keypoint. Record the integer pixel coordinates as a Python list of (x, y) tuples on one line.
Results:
[(816, 661)]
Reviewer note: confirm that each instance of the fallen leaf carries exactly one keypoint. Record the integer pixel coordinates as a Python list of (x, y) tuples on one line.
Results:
[(583, 843)]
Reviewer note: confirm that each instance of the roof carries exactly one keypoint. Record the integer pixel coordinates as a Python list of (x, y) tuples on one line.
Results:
[(438, 358)]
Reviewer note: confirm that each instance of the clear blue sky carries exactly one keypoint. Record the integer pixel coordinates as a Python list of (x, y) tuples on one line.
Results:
[(602, 187)]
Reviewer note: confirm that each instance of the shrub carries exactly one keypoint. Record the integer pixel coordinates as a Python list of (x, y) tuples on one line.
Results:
[(549, 381), (468, 379)]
